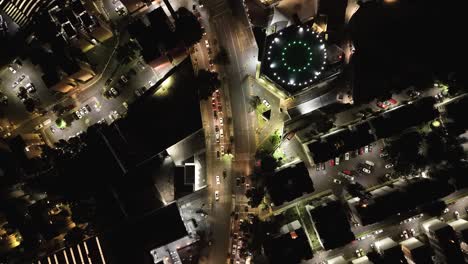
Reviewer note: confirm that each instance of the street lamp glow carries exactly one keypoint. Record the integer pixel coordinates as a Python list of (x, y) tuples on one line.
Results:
[(272, 65), (277, 40), (301, 29), (322, 46)]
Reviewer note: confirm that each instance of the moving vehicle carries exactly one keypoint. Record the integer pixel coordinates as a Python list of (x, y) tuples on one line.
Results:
[(218, 180), (336, 181), (217, 195), (266, 103), (346, 156), (370, 163), (337, 161), (366, 170), (221, 121), (388, 166)]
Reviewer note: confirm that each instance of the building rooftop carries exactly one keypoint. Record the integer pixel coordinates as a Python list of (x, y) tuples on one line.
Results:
[(288, 248), (158, 121), (294, 57), (362, 260), (337, 260), (90, 250), (133, 241), (289, 183)]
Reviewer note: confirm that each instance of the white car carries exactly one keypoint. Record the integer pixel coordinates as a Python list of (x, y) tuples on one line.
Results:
[(404, 234), (336, 181), (217, 195), (222, 150), (346, 156), (124, 79), (12, 69), (337, 161), (266, 103), (220, 121), (78, 114), (388, 166), (38, 127), (366, 149), (151, 83), (221, 133), (366, 170), (207, 43), (218, 180)]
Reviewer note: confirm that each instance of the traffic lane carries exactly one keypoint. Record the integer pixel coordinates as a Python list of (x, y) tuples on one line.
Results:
[(237, 95)]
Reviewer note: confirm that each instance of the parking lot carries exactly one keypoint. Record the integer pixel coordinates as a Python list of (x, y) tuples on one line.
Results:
[(324, 177)]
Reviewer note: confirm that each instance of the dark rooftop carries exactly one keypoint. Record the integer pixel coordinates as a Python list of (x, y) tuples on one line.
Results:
[(332, 225), (132, 241), (289, 184), (294, 57), (156, 122), (286, 249)]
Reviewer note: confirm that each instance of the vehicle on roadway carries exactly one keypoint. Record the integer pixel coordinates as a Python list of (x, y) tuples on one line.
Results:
[(217, 195), (221, 121), (346, 156), (388, 166), (266, 103), (218, 180), (337, 181), (366, 170)]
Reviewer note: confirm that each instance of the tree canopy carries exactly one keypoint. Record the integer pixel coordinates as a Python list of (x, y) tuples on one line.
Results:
[(188, 28), (207, 83)]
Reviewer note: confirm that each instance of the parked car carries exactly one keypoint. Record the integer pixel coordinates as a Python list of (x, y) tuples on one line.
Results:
[(336, 181), (413, 94), (388, 166), (346, 156), (30, 88), (12, 69), (266, 103), (217, 195), (337, 161), (366, 170), (218, 180)]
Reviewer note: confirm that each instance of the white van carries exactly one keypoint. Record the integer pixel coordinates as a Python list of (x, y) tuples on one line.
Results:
[(370, 163)]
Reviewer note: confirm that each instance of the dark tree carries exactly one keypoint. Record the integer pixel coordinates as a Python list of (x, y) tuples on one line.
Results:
[(207, 83), (188, 28), (222, 57), (254, 102), (405, 152), (30, 105)]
